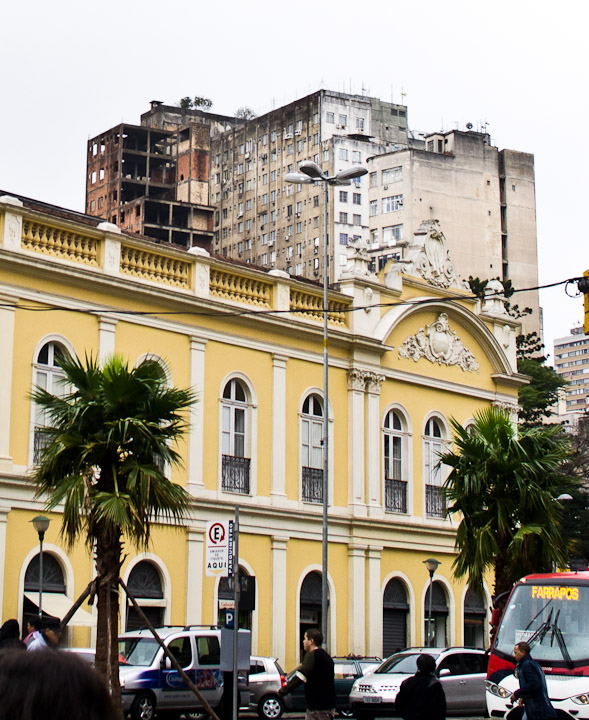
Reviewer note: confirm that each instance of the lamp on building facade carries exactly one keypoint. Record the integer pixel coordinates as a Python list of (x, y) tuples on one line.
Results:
[(431, 565), (41, 525), (310, 173)]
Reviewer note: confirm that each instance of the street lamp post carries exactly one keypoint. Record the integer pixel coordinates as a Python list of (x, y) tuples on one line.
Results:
[(431, 565), (310, 173), (41, 525)]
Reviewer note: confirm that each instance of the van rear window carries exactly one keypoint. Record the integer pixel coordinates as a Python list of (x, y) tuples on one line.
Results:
[(209, 650)]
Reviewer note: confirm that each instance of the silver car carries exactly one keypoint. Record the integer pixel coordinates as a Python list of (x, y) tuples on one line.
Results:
[(462, 672), (266, 677)]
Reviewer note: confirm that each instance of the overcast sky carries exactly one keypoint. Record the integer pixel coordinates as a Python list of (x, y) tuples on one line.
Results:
[(71, 69)]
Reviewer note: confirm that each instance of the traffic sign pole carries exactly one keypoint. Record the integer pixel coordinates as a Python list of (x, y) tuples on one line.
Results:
[(235, 610)]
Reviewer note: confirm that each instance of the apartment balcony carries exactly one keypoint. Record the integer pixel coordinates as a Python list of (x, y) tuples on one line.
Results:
[(312, 485), (435, 503), (395, 495), (236, 474), (41, 440)]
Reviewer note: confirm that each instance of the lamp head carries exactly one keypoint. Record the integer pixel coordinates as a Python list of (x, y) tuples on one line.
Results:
[(352, 172), (431, 565), (41, 524), (313, 170), (293, 177)]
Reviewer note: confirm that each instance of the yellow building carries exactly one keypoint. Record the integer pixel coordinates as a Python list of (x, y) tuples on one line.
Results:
[(407, 352)]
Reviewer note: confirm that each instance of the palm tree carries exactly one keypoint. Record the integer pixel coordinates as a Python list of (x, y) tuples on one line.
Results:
[(504, 484), (110, 436)]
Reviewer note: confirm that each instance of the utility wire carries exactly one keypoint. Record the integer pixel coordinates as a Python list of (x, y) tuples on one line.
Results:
[(233, 312)]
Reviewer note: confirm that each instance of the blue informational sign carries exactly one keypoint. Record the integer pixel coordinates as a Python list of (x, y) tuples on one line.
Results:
[(230, 619)]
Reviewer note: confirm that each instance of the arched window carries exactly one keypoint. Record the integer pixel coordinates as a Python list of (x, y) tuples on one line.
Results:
[(53, 583), (312, 449), (247, 599), (395, 470), (234, 438), (310, 606), (395, 610), (436, 623), (47, 376), (145, 584), (475, 613), (433, 447)]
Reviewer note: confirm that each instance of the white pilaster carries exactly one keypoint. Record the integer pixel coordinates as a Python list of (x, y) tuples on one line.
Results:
[(3, 519), (194, 576), (373, 444), (278, 609), (7, 312), (278, 490), (196, 436), (357, 599), (374, 603), (106, 338), (356, 430)]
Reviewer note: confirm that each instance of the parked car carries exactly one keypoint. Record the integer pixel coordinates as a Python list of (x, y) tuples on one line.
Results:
[(266, 677), (346, 670), (87, 654), (462, 672), (149, 683)]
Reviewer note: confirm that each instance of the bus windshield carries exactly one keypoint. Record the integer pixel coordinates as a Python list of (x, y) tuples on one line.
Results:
[(554, 619)]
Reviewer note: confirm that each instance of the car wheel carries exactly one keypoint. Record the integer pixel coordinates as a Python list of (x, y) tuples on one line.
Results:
[(143, 707), (270, 707), (346, 713)]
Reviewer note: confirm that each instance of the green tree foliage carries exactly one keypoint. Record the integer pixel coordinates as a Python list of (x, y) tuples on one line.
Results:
[(202, 103), (504, 483), (575, 522), (538, 397), (245, 112), (111, 435), (197, 103)]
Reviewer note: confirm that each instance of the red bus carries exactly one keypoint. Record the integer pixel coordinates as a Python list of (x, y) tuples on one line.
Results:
[(550, 612)]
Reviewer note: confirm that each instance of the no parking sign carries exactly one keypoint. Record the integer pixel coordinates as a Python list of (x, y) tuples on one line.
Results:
[(219, 548)]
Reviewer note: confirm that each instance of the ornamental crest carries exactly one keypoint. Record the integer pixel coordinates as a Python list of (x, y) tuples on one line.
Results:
[(429, 258), (438, 344)]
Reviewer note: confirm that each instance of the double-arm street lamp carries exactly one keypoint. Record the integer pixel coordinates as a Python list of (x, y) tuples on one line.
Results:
[(309, 173)]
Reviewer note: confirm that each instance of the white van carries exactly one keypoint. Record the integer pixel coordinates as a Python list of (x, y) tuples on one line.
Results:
[(149, 683)]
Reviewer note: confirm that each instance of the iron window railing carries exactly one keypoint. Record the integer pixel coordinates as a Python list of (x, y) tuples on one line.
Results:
[(236, 474), (312, 484), (435, 503), (395, 495), (41, 440)]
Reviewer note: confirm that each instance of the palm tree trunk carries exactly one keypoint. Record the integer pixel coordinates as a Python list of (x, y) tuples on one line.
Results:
[(108, 564), (503, 581)]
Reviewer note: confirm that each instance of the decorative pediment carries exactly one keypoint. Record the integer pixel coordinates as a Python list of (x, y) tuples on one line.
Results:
[(428, 257), (438, 344)]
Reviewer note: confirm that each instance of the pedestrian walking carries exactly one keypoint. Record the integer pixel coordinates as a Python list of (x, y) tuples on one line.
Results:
[(532, 693), (33, 625), (421, 696), (316, 672), (47, 638)]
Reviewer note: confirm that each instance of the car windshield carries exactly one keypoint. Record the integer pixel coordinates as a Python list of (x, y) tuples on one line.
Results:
[(368, 667), (400, 663), (553, 619), (138, 651)]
